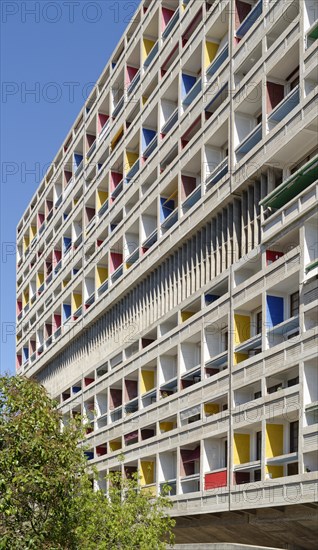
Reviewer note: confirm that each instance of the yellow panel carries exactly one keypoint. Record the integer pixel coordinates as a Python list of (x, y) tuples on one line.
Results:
[(147, 380), (275, 471), (241, 448), (26, 242), (101, 275), (147, 472), (274, 440), (32, 231), (242, 325), (128, 265), (25, 298), (130, 159), (144, 99), (166, 426), (76, 301), (65, 282), (114, 445), (238, 357), (101, 197), (39, 279), (117, 136), (209, 53), (147, 46), (186, 315), (211, 408)]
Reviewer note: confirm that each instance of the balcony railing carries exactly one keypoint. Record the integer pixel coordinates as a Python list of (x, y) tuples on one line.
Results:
[(151, 239), (118, 273), (77, 313), (78, 240), (152, 55), (250, 19), (90, 300), (103, 288), (91, 149), (119, 106), (133, 257), (103, 208), (171, 24), (250, 140), (170, 220), (41, 229), (293, 186), (150, 147), (59, 201), (41, 288), (192, 199), (105, 131), (193, 93), (133, 171), (285, 106), (79, 168), (217, 173), (57, 333), (132, 85), (170, 122), (118, 189), (218, 61)]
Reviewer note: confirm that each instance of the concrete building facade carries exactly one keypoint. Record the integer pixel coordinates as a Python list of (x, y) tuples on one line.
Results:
[(168, 263)]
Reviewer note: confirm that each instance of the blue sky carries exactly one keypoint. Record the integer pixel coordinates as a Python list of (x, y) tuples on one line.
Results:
[(44, 46)]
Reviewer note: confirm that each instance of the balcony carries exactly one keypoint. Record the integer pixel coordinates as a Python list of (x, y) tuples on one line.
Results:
[(58, 201), (42, 228), (78, 240), (151, 239), (103, 288), (103, 209), (193, 93), (172, 120), (57, 333), (118, 189), (133, 257), (151, 55), (41, 289), (150, 147), (78, 313), (91, 150), (119, 106), (285, 106), (218, 361), (192, 199), (57, 267), (78, 169), (90, 300), (170, 220), (293, 186), (105, 131), (218, 61), (250, 141), (311, 266), (172, 23), (217, 174), (133, 83), (250, 19), (132, 172), (118, 273)]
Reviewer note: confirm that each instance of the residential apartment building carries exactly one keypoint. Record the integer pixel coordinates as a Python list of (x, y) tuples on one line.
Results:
[(167, 266)]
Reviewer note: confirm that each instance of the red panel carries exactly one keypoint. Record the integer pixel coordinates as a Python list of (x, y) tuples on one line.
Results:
[(88, 381), (272, 256), (115, 178), (130, 73), (241, 11), (101, 121), (214, 480), (166, 16), (116, 260), (275, 94)]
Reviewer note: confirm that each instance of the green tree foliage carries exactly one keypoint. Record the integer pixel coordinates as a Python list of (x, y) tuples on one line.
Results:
[(46, 496)]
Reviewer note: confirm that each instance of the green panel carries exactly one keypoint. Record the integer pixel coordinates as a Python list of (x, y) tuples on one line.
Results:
[(294, 185), (314, 33)]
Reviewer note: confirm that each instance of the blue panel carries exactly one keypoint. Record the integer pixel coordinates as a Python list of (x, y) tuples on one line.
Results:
[(78, 159), (25, 354), (66, 311), (274, 310), (66, 243), (210, 298), (166, 207), (187, 82), (147, 137)]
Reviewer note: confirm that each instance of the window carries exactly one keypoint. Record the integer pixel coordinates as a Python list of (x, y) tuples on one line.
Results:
[(257, 475), (294, 304), (292, 469), (225, 453), (258, 445), (258, 322), (293, 437), (293, 382), (225, 340)]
